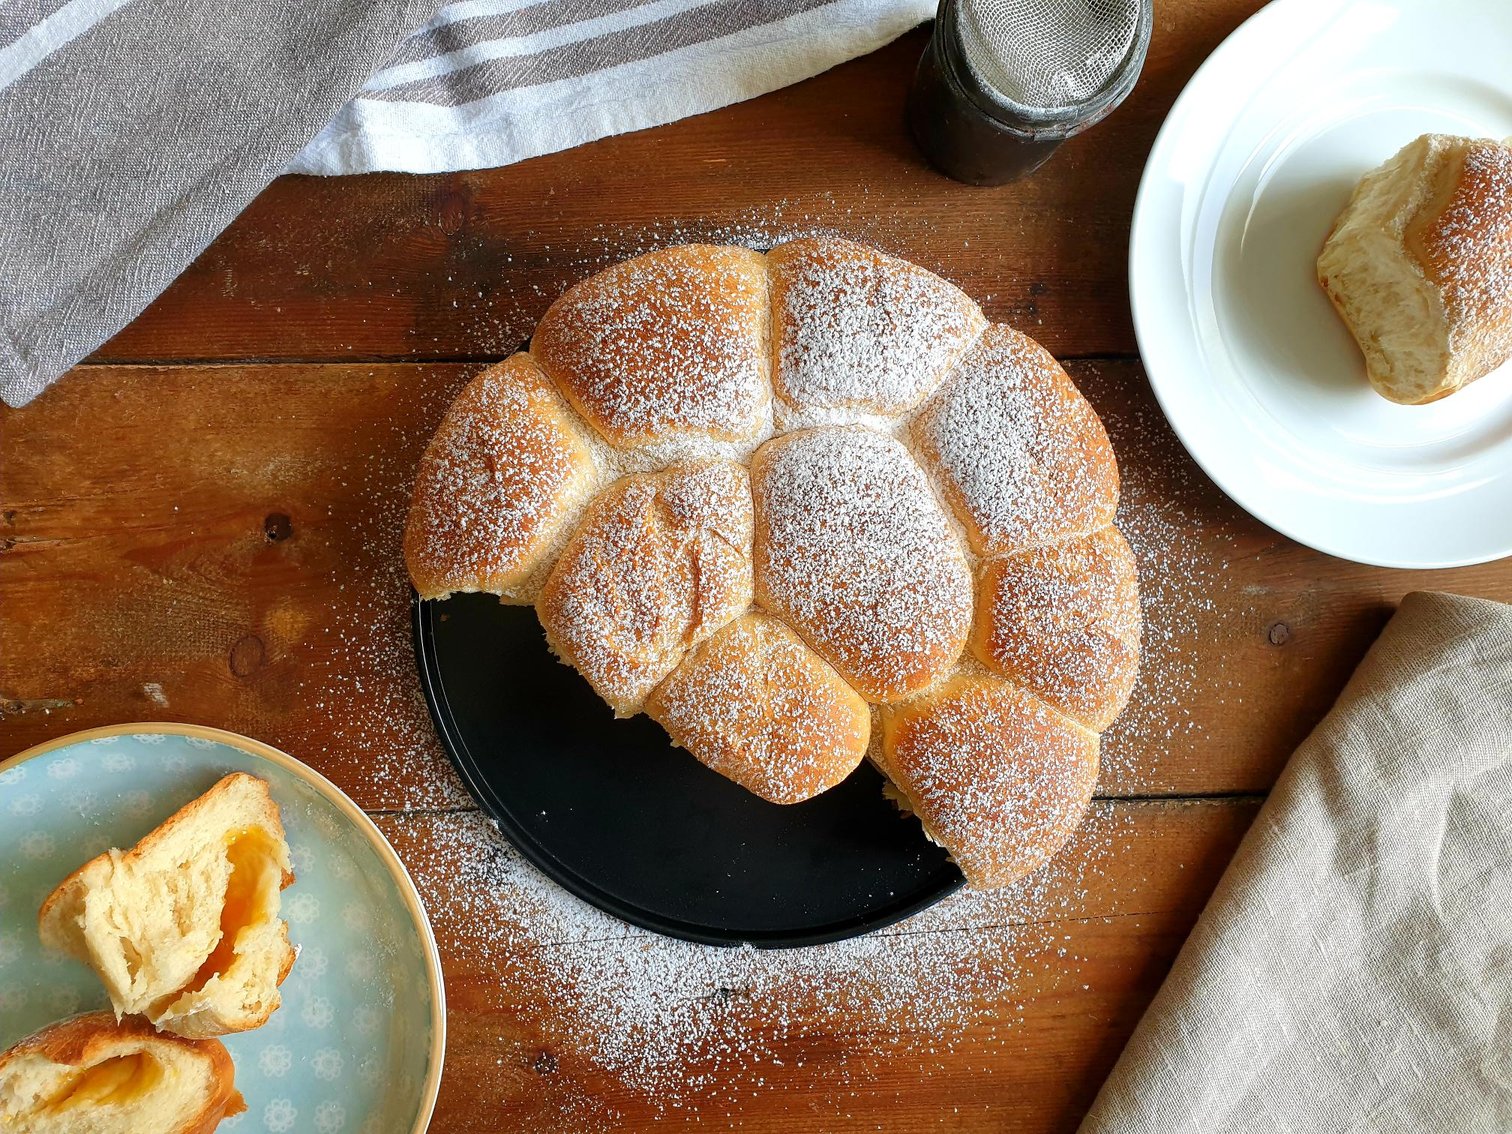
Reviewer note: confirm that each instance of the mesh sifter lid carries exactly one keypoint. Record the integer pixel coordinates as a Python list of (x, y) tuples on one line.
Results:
[(1062, 63)]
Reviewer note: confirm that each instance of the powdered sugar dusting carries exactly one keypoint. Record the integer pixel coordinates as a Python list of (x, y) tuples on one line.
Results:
[(677, 1022), (853, 547), (856, 329), (995, 774), (1470, 252), (357, 677), (1020, 452), (659, 563), (669, 344), (1183, 535), (503, 471), (757, 705)]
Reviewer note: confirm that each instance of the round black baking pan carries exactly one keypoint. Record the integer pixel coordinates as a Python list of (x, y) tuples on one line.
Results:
[(640, 829)]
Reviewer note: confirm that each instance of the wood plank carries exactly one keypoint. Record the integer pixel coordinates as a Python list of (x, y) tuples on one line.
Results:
[(219, 545), (986, 1013), (461, 265)]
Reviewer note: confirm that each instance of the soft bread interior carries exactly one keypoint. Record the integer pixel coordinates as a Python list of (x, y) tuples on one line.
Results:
[(184, 928), (93, 1076), (238, 981), (1394, 312)]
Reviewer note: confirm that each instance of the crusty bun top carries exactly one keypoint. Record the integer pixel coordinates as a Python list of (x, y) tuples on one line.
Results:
[(820, 484), (853, 328), (1018, 451), (659, 563), (760, 707), (1463, 240), (853, 548), (504, 472), (668, 344), (1063, 621), (994, 774)]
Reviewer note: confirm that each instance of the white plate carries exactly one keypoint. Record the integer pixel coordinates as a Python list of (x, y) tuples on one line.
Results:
[(1256, 373)]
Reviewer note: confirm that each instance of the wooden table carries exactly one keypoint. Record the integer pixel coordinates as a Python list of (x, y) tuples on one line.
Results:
[(201, 524)]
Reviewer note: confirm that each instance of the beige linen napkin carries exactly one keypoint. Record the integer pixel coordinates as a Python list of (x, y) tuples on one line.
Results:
[(1353, 971)]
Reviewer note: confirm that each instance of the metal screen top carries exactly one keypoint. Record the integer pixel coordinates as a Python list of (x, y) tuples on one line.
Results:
[(1047, 56)]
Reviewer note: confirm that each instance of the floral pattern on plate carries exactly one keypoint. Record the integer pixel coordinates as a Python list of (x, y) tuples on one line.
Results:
[(351, 1049)]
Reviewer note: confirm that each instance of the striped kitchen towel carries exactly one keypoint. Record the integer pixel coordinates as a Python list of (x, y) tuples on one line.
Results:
[(489, 82), (133, 131)]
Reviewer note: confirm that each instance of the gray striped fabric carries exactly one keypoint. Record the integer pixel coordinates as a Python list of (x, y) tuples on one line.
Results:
[(470, 82), (133, 131), (489, 82)]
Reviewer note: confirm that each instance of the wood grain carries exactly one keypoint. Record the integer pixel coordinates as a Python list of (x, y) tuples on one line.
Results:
[(183, 540), (460, 266), (1054, 979), (219, 544)]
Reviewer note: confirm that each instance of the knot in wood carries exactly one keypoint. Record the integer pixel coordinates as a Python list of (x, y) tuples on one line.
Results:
[(247, 655), (277, 527)]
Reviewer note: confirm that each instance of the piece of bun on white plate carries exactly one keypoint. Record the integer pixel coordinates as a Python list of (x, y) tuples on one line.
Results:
[(184, 927), (1419, 266), (94, 1074)]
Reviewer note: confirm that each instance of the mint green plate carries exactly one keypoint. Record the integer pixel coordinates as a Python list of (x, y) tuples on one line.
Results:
[(357, 1045)]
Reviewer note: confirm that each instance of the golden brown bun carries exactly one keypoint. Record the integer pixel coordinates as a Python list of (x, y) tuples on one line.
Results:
[(1021, 456), (507, 469), (1419, 266), (853, 549), (184, 928), (94, 1075), (757, 705), (918, 481), (997, 777), (854, 328), (668, 345), (659, 563), (1063, 621)]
